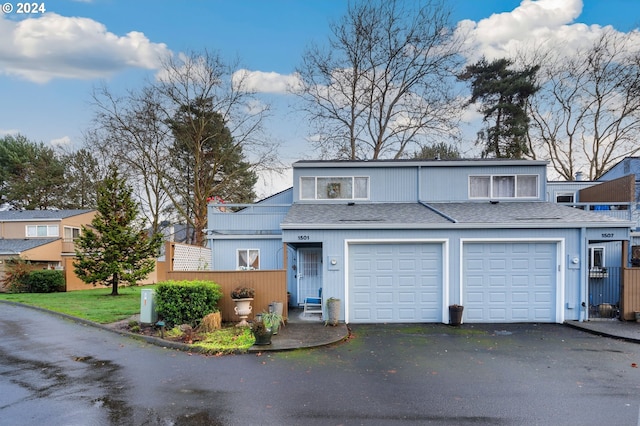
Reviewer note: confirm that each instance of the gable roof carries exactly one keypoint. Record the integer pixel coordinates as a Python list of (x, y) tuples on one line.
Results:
[(21, 215), (17, 246), (443, 215)]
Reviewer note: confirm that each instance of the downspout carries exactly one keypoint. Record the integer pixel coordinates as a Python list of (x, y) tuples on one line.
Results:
[(584, 288)]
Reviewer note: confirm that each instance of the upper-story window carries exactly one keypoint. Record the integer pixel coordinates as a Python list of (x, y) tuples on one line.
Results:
[(503, 186), (334, 188), (42, 231), (565, 197), (71, 234)]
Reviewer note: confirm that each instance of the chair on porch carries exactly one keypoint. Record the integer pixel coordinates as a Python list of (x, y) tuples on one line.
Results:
[(313, 305)]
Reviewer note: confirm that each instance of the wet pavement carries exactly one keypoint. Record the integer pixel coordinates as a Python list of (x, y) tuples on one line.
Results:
[(63, 372), (614, 328)]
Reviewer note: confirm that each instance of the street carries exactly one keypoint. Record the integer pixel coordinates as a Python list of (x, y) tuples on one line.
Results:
[(57, 372)]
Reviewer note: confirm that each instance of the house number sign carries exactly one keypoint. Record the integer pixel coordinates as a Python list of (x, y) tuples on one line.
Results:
[(303, 238), (607, 234)]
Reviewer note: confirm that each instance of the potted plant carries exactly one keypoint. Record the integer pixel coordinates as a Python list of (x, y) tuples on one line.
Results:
[(261, 333), (272, 320), (242, 296)]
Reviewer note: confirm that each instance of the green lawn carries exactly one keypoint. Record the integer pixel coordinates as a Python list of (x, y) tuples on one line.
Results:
[(99, 306), (96, 305)]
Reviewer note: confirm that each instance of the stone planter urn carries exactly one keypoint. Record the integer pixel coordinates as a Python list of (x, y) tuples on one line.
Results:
[(243, 310), (333, 311)]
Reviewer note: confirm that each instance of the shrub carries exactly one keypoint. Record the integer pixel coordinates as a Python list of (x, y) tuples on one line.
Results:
[(45, 281), (21, 277), (186, 302), (15, 279)]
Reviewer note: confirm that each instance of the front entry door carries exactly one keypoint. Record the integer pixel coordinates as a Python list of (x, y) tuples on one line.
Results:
[(309, 272)]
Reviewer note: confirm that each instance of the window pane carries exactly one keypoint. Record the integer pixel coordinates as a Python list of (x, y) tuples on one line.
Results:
[(528, 186), (254, 259), (307, 188), (52, 231), (249, 259), (361, 187), (504, 187), (564, 198), (334, 188), (479, 186), (598, 257), (42, 231)]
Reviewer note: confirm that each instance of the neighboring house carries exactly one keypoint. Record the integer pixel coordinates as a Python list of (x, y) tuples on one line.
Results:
[(43, 237), (400, 241)]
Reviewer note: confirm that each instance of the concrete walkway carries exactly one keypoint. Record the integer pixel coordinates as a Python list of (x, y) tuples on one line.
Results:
[(623, 330), (304, 332)]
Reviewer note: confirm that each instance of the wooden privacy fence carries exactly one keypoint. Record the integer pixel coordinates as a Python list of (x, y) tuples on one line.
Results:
[(270, 286), (630, 302)]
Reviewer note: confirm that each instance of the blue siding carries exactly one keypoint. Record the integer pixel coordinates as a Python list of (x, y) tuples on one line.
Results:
[(443, 184), (424, 183), (224, 253), (333, 244)]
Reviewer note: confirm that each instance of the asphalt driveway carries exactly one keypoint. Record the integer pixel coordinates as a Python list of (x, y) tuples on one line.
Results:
[(57, 372)]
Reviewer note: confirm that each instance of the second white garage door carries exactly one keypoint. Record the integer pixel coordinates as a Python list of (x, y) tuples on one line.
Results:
[(395, 282), (509, 282)]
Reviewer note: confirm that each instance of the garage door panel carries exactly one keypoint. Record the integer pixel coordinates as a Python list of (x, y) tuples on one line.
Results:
[(405, 282), (518, 285)]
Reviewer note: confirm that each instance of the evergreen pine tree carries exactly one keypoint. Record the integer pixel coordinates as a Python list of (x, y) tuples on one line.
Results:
[(115, 248), (503, 94)]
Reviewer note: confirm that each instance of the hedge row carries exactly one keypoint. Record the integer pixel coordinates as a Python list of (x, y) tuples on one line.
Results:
[(186, 302)]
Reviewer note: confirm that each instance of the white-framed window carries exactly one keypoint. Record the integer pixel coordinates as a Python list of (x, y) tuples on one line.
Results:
[(247, 259), (71, 234), (503, 186), (334, 188), (42, 231), (596, 258), (565, 197)]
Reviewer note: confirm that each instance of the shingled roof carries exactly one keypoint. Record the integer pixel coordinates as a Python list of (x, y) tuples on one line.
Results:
[(443, 215), (17, 246), (20, 215)]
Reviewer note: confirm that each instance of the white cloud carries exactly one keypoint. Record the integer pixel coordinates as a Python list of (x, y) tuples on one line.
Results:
[(266, 82), (531, 25), (62, 142), (9, 131), (53, 46)]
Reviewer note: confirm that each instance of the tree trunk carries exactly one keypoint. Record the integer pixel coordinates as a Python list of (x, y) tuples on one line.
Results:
[(114, 285)]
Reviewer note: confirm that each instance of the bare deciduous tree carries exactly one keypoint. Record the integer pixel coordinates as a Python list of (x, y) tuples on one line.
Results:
[(131, 132), (137, 131), (384, 82), (587, 112), (189, 83)]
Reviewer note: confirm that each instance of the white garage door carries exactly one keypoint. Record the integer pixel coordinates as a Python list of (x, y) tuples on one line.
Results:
[(509, 282), (395, 283)]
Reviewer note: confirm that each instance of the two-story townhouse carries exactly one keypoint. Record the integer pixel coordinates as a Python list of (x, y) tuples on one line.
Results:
[(400, 241), (43, 237)]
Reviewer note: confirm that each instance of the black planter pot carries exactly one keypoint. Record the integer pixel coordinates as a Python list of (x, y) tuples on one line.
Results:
[(263, 339), (455, 314)]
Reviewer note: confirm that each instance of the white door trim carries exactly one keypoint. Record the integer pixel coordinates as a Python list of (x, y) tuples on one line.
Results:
[(445, 265), (560, 266)]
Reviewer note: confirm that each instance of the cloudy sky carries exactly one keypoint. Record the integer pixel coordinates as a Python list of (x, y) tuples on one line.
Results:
[(51, 60)]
